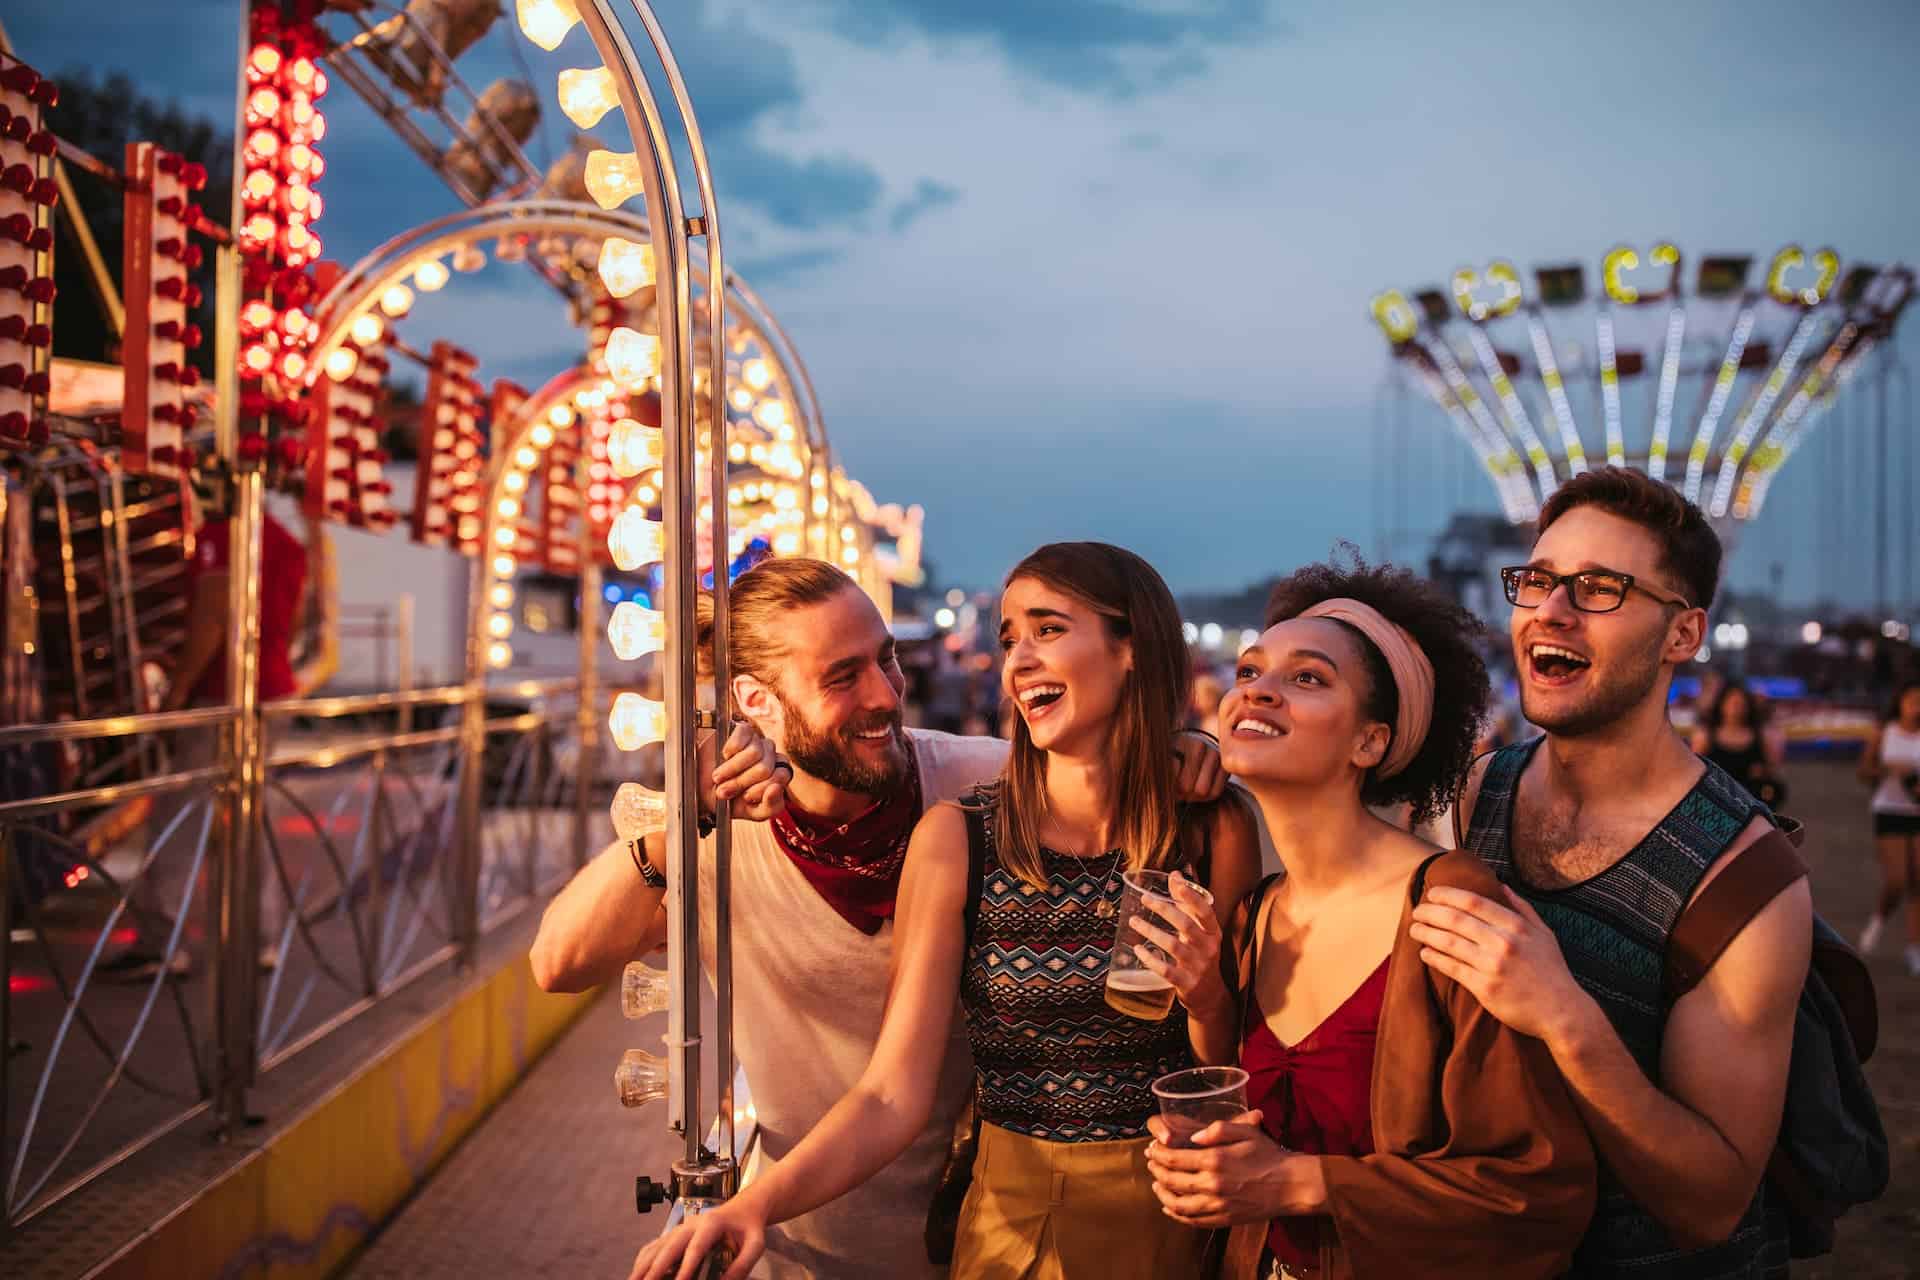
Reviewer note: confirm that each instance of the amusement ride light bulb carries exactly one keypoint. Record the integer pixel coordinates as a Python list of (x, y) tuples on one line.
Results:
[(587, 95), (757, 374), (637, 811), (500, 626), (509, 508), (503, 566), (771, 414), (367, 328), (341, 362), (632, 357), (635, 722), (635, 540), (397, 300), (640, 1078), (787, 544), (499, 654), (546, 22), (634, 447), (500, 595), (505, 536), (514, 481), (430, 276), (634, 630), (560, 416), (613, 177), (644, 989), (541, 436), (625, 265)]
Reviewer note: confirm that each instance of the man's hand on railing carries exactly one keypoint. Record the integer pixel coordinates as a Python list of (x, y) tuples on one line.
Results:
[(750, 774)]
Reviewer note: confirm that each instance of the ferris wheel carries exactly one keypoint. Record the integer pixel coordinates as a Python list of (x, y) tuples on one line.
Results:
[(1708, 385)]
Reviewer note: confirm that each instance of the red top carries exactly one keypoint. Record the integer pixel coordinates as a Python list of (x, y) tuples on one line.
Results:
[(283, 571), (1313, 1097)]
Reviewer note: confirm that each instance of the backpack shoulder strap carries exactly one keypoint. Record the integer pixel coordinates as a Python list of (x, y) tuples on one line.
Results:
[(1755, 877)]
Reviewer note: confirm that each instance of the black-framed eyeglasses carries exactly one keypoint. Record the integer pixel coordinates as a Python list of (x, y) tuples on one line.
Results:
[(1590, 590)]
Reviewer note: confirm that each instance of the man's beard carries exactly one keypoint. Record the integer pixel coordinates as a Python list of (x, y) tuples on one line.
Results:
[(1605, 702), (832, 756)]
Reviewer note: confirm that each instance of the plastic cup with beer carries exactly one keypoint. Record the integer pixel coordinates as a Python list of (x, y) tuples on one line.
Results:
[(1191, 1100), (1132, 988)]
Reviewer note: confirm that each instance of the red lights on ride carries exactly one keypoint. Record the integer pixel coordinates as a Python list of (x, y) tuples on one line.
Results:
[(159, 258), (281, 163), (27, 193)]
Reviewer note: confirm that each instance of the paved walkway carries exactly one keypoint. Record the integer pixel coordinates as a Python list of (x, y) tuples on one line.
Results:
[(545, 1186)]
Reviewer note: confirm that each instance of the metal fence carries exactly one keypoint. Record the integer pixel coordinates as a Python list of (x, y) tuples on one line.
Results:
[(158, 965)]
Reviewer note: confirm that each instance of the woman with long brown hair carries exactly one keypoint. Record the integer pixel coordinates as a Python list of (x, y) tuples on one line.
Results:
[(1007, 902)]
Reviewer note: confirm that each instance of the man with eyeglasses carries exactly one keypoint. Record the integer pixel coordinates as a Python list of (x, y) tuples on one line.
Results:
[(1603, 831)]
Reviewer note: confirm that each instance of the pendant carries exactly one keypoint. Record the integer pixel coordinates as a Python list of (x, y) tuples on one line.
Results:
[(1106, 909)]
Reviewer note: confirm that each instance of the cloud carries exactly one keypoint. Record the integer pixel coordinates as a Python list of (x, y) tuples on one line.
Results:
[(927, 196), (781, 267), (1117, 48)]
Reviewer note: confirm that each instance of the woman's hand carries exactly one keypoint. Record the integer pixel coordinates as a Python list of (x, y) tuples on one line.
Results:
[(1233, 1173), (1200, 777), (735, 1228), (1188, 932), (748, 773)]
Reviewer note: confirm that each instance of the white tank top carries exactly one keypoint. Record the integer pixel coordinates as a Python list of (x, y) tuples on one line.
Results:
[(1899, 749)]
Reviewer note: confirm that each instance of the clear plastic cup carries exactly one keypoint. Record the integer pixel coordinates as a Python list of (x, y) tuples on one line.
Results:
[(1191, 1100), (1132, 988)]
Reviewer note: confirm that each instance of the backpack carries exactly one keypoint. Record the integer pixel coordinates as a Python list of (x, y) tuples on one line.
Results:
[(1832, 1150)]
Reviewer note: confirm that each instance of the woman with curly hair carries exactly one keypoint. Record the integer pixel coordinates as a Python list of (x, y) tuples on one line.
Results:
[(1396, 1125)]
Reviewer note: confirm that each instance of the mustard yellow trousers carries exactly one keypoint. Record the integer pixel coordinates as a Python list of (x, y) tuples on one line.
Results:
[(1040, 1210)]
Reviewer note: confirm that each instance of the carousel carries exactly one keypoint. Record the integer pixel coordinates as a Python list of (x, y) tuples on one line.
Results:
[(281, 867)]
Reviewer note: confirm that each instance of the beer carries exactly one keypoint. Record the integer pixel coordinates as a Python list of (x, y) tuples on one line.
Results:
[(1139, 993)]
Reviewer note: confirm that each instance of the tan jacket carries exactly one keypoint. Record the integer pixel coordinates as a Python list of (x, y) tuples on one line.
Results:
[(1482, 1166)]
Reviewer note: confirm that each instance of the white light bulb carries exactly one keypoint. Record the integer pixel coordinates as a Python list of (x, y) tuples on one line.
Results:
[(367, 328), (757, 374), (644, 989), (634, 447), (430, 276), (500, 626), (341, 362), (500, 596), (509, 508), (503, 566), (634, 540), (632, 357), (397, 300), (541, 436), (560, 416), (613, 177), (787, 544), (499, 654), (634, 630), (586, 96), (772, 414), (636, 721), (514, 482), (640, 1078), (625, 265), (546, 22)]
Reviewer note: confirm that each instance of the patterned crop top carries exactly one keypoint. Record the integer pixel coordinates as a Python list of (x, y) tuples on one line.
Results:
[(1053, 1059)]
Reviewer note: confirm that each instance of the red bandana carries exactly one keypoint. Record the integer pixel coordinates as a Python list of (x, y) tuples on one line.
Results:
[(855, 865)]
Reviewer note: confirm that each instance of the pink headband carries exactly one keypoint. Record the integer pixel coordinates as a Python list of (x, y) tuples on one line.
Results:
[(1412, 675)]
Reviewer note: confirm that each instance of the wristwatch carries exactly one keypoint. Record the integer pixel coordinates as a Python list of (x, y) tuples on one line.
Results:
[(654, 879)]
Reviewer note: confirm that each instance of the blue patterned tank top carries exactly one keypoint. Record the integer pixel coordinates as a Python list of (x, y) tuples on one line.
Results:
[(1613, 929), (1053, 1059)]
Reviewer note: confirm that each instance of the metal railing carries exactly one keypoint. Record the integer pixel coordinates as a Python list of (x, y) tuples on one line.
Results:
[(134, 914)]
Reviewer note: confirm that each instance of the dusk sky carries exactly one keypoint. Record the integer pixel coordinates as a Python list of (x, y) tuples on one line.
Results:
[(1099, 268)]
